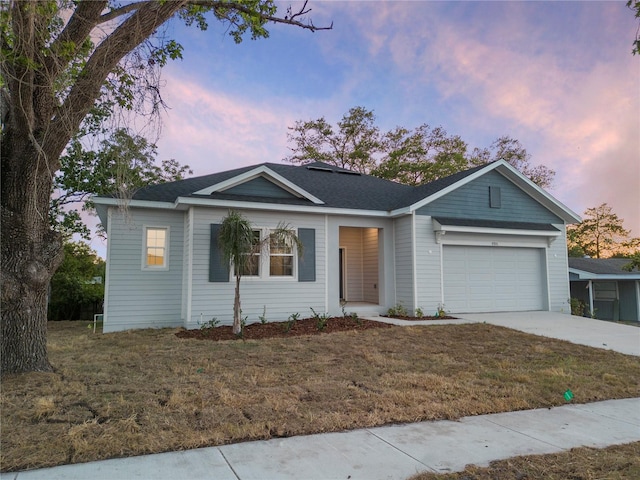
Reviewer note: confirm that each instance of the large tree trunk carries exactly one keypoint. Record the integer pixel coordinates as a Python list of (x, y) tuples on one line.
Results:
[(35, 131), (30, 254)]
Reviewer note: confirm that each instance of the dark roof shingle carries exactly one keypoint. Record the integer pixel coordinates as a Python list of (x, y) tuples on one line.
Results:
[(336, 187), (602, 266)]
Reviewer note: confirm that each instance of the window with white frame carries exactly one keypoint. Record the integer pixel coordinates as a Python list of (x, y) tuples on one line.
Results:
[(281, 257), (251, 267), (156, 247)]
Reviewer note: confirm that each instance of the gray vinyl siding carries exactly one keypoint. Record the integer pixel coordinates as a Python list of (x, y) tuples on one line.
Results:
[(260, 187), (473, 201), (404, 262), (139, 298), (281, 296), (428, 258), (558, 273)]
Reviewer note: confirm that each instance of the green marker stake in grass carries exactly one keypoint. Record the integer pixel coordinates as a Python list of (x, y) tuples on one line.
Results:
[(568, 395)]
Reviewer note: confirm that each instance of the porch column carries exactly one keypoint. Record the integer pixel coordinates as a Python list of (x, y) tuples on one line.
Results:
[(590, 287)]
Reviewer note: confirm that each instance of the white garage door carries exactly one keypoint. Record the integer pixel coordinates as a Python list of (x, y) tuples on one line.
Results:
[(493, 279)]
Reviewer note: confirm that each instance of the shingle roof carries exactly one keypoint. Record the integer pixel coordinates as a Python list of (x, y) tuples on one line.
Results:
[(168, 192), (336, 187), (601, 266)]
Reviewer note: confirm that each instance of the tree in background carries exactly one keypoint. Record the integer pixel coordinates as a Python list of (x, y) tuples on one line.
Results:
[(600, 234), (241, 246), (635, 6), (78, 283), (413, 157), (634, 262), (122, 164), (419, 156), (511, 151), (354, 145), (65, 65)]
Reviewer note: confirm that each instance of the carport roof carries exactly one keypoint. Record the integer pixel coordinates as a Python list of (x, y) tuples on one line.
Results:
[(602, 268)]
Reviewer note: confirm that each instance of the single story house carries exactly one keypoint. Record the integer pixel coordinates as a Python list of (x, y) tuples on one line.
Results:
[(607, 290), (483, 240)]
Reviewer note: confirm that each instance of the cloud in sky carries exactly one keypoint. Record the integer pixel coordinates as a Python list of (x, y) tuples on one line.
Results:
[(216, 130), (559, 76)]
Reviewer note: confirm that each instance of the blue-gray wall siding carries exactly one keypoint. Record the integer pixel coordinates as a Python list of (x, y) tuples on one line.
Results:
[(472, 201), (261, 187), (138, 298)]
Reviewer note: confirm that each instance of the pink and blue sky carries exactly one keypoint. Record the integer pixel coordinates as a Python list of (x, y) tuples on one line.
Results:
[(558, 76)]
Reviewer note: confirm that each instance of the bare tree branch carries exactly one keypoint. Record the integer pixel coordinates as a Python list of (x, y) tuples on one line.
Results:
[(239, 7)]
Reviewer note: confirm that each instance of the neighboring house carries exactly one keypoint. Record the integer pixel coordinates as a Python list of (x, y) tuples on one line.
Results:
[(607, 290), (482, 240)]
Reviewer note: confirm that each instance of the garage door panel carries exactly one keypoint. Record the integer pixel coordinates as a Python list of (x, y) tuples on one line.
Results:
[(492, 279)]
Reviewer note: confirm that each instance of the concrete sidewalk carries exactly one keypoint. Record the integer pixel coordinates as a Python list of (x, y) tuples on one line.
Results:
[(391, 452)]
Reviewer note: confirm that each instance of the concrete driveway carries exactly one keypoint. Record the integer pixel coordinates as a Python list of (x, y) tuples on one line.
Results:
[(580, 330)]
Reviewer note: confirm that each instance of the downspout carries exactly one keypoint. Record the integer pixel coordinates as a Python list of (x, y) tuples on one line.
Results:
[(414, 266), (590, 287), (326, 261), (107, 273)]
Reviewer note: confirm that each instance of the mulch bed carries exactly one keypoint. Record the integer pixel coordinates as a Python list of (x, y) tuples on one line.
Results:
[(305, 326), (400, 317)]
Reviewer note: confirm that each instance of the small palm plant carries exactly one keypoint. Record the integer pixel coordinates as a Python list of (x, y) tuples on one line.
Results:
[(241, 246)]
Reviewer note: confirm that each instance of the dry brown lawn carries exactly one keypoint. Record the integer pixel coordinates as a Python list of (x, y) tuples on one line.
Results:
[(613, 463), (147, 391)]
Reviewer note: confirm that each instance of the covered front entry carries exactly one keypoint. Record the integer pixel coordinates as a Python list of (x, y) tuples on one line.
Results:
[(493, 279), (358, 265)]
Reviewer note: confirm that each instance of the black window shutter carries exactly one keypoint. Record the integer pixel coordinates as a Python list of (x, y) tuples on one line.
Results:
[(307, 263), (218, 268)]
